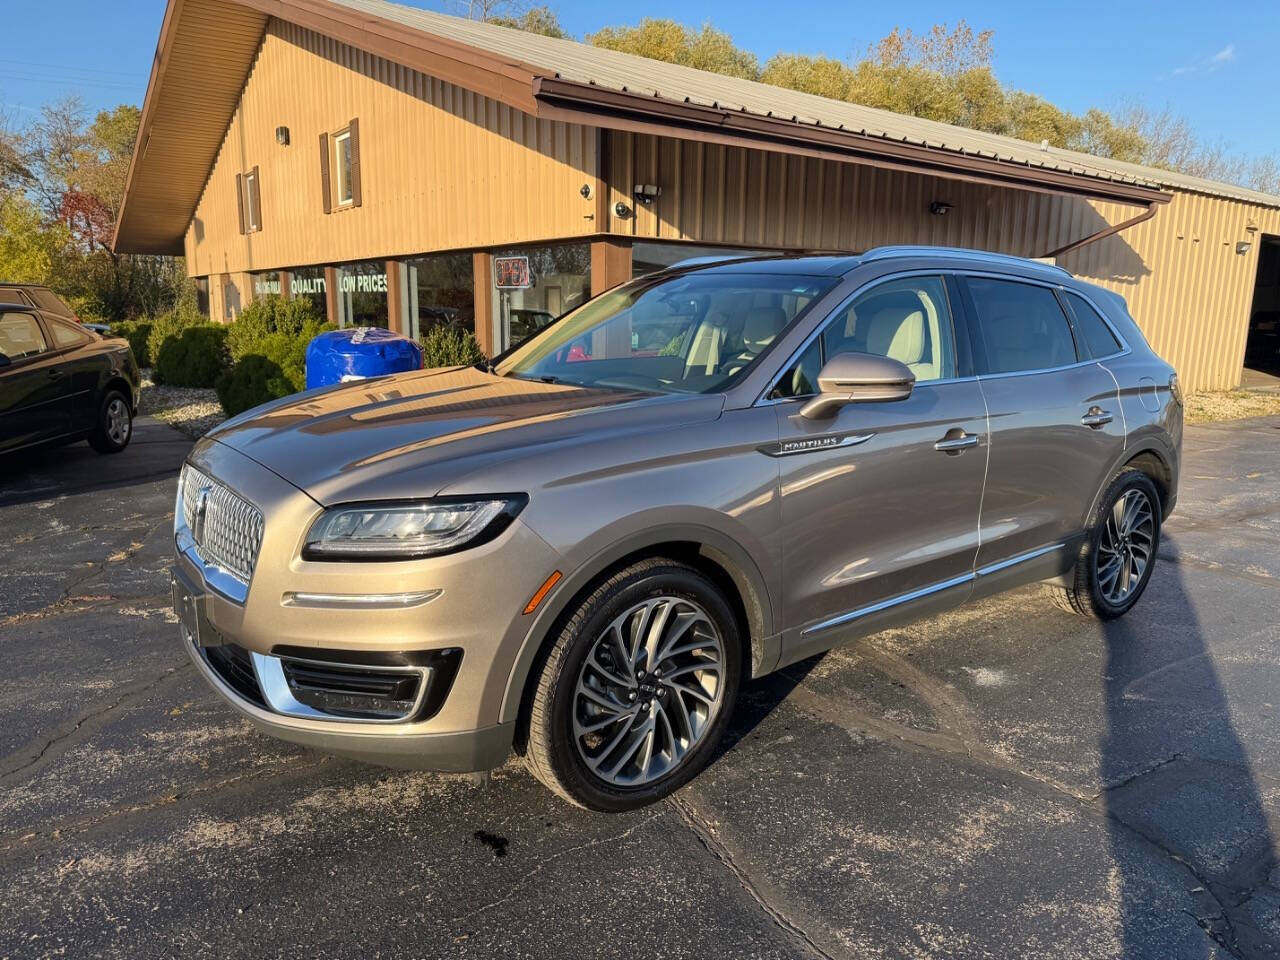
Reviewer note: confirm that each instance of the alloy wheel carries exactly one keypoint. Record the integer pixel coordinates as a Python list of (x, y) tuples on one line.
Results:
[(1125, 546), (118, 424), (649, 688)]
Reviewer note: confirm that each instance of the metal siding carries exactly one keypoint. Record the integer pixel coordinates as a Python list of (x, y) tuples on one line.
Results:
[(442, 168), (1186, 286)]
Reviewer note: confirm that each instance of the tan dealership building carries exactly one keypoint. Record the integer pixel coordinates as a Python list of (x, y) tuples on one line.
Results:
[(406, 169)]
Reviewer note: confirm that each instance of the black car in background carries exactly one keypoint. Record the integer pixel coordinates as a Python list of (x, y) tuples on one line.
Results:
[(60, 382)]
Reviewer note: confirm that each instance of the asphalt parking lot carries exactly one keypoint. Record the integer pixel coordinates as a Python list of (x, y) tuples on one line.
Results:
[(1009, 780)]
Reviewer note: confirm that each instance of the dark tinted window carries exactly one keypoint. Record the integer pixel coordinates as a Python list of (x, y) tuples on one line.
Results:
[(49, 301), (1023, 327), (14, 295), (1092, 329), (20, 336)]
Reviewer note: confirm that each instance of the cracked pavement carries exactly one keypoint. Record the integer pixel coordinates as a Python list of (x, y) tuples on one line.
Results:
[(1005, 780)]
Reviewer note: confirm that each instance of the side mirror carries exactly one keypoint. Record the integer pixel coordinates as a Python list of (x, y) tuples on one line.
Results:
[(858, 378)]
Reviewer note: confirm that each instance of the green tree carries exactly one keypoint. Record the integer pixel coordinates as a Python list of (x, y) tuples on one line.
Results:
[(541, 20), (32, 250), (704, 49)]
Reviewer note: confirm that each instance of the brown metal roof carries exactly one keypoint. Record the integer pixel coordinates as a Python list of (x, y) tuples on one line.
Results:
[(207, 47)]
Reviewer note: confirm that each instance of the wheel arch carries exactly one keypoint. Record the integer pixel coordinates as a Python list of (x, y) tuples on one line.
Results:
[(711, 552), (1152, 456)]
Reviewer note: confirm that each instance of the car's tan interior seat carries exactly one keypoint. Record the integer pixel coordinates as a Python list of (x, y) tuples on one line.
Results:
[(704, 354), (759, 328), (891, 332)]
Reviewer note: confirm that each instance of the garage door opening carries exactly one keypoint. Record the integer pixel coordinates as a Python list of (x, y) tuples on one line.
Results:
[(1262, 348)]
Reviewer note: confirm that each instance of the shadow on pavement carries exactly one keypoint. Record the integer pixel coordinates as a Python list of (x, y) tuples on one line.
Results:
[(1164, 696)]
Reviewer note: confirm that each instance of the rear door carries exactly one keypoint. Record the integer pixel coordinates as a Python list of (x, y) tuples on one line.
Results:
[(31, 385), (1056, 425), (880, 502), (80, 368)]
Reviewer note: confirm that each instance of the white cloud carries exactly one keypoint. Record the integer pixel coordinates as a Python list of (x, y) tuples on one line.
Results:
[(1211, 63)]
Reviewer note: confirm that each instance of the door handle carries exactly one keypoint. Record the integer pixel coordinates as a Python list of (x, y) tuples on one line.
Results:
[(1096, 417), (54, 373), (955, 444)]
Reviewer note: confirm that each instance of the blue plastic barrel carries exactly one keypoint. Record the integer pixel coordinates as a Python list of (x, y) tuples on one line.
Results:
[(357, 353)]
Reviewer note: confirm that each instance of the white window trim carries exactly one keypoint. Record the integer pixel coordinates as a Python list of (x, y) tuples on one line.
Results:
[(338, 139)]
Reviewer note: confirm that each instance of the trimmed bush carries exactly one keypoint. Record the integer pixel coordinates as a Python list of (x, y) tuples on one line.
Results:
[(166, 327), (276, 368), (447, 347), (136, 332), (195, 357), (265, 316)]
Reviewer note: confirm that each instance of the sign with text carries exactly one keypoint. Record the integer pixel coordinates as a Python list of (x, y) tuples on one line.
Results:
[(511, 273)]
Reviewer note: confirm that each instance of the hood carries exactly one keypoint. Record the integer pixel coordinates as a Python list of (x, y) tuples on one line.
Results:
[(410, 434)]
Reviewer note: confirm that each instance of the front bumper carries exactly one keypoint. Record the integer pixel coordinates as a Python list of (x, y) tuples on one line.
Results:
[(473, 615)]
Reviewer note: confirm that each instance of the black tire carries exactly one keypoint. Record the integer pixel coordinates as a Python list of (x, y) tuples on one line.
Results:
[(555, 755), (114, 427), (1088, 593)]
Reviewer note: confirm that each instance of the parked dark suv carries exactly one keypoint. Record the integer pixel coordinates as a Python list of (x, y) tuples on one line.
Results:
[(708, 473)]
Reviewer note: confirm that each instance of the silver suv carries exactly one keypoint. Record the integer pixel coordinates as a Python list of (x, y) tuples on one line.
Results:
[(583, 549)]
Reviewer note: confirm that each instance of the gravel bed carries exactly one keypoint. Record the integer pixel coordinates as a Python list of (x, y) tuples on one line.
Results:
[(193, 411), (1232, 405)]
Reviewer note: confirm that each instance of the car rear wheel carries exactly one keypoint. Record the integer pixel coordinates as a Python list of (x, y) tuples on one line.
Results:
[(114, 428), (637, 689), (1119, 551)]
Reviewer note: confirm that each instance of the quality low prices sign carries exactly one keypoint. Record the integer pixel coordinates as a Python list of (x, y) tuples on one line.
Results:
[(511, 273)]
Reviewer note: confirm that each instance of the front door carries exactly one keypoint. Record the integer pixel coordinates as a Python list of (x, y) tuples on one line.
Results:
[(880, 502)]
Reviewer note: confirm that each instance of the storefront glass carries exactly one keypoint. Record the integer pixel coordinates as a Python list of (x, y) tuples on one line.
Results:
[(362, 294), (650, 257), (439, 291), (265, 284), (534, 285), (307, 283)]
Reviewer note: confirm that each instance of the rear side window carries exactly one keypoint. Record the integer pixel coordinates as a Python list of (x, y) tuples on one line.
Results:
[(14, 295), (65, 334), (50, 302), (1092, 329), (1022, 326), (20, 336)]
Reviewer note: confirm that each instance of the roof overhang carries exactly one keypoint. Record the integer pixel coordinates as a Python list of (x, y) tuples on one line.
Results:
[(207, 48)]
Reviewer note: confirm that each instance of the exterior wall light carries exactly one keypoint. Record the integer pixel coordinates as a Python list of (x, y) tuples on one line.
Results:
[(1243, 247), (646, 192), (282, 136)]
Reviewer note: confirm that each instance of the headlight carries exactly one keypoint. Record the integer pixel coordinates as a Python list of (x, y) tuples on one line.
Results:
[(407, 530)]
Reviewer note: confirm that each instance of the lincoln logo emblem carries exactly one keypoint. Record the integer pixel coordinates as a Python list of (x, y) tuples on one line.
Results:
[(202, 508)]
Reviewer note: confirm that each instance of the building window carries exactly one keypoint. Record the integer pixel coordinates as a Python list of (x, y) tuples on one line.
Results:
[(652, 257), (265, 284), (230, 300), (340, 168), (439, 291), (534, 285), (202, 294), (362, 295), (249, 200), (307, 283)]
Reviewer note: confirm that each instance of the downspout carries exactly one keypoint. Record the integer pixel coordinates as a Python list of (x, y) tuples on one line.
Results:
[(1105, 232)]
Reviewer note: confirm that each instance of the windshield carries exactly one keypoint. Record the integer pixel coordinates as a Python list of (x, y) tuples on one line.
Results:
[(688, 333)]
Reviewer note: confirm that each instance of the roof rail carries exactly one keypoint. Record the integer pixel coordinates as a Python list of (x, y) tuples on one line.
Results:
[(961, 253)]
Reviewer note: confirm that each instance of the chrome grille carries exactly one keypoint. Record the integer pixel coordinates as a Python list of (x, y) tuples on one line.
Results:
[(230, 533)]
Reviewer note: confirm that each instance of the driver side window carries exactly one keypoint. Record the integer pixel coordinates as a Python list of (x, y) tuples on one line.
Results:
[(907, 319)]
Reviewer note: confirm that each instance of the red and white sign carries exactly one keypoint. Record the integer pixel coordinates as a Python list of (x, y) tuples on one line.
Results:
[(511, 273)]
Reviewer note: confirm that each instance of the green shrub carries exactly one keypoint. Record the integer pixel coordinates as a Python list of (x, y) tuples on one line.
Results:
[(136, 332), (195, 357), (276, 368), (265, 316), (447, 347), (166, 327)]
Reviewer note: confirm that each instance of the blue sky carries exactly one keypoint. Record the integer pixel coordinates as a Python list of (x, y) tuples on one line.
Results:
[(1216, 63)]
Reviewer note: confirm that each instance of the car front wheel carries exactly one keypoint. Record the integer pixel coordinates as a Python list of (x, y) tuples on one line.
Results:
[(114, 427), (637, 688), (1119, 551)]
